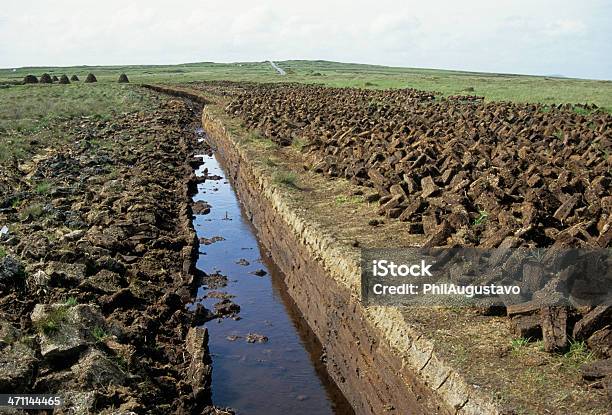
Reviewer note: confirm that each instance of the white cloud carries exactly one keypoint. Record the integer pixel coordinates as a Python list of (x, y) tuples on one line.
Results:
[(522, 36)]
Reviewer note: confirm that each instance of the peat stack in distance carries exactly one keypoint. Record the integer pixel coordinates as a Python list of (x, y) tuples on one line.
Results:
[(46, 79), (74, 78), (55, 78), (123, 79), (30, 79), (64, 80), (90, 78)]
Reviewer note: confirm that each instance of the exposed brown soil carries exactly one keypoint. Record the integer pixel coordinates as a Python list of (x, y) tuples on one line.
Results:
[(97, 267)]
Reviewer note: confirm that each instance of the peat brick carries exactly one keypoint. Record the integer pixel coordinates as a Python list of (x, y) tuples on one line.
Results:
[(428, 186), (566, 208), (412, 208), (592, 321), (554, 328), (439, 236), (601, 342)]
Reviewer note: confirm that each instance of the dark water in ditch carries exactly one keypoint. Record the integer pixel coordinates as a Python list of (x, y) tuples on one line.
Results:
[(283, 375)]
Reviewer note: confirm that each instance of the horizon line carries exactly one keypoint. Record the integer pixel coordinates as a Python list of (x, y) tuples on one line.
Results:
[(559, 76)]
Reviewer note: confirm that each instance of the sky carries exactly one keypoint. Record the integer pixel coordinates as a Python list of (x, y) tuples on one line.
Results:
[(541, 37)]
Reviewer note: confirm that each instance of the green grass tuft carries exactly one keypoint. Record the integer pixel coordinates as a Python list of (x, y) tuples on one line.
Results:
[(298, 144), (43, 188), (483, 216), (285, 178), (33, 211), (270, 163), (52, 323), (99, 334), (16, 203), (581, 111), (71, 301), (519, 344), (577, 355)]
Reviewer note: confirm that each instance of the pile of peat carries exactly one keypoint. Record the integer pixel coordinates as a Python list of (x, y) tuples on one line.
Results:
[(458, 170), (96, 261)]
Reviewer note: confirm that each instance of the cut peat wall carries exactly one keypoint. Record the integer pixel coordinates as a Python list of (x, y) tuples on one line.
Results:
[(177, 92), (373, 378)]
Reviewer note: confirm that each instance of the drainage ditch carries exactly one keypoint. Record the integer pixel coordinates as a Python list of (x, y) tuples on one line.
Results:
[(266, 359)]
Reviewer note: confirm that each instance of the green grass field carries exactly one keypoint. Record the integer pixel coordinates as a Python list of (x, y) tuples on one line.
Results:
[(33, 114), (494, 87)]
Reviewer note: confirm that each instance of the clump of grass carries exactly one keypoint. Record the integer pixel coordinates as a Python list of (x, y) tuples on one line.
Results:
[(267, 143), (519, 344), (298, 144), (2, 252), (483, 216), (122, 362), (33, 211), (539, 344), (99, 334), (558, 134), (285, 178), (577, 355), (581, 110), (113, 174), (71, 301), (269, 162), (43, 188), (255, 135), (16, 203), (545, 109), (52, 323)]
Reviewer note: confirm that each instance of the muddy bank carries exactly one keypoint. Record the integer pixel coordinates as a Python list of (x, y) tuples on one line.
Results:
[(96, 266)]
